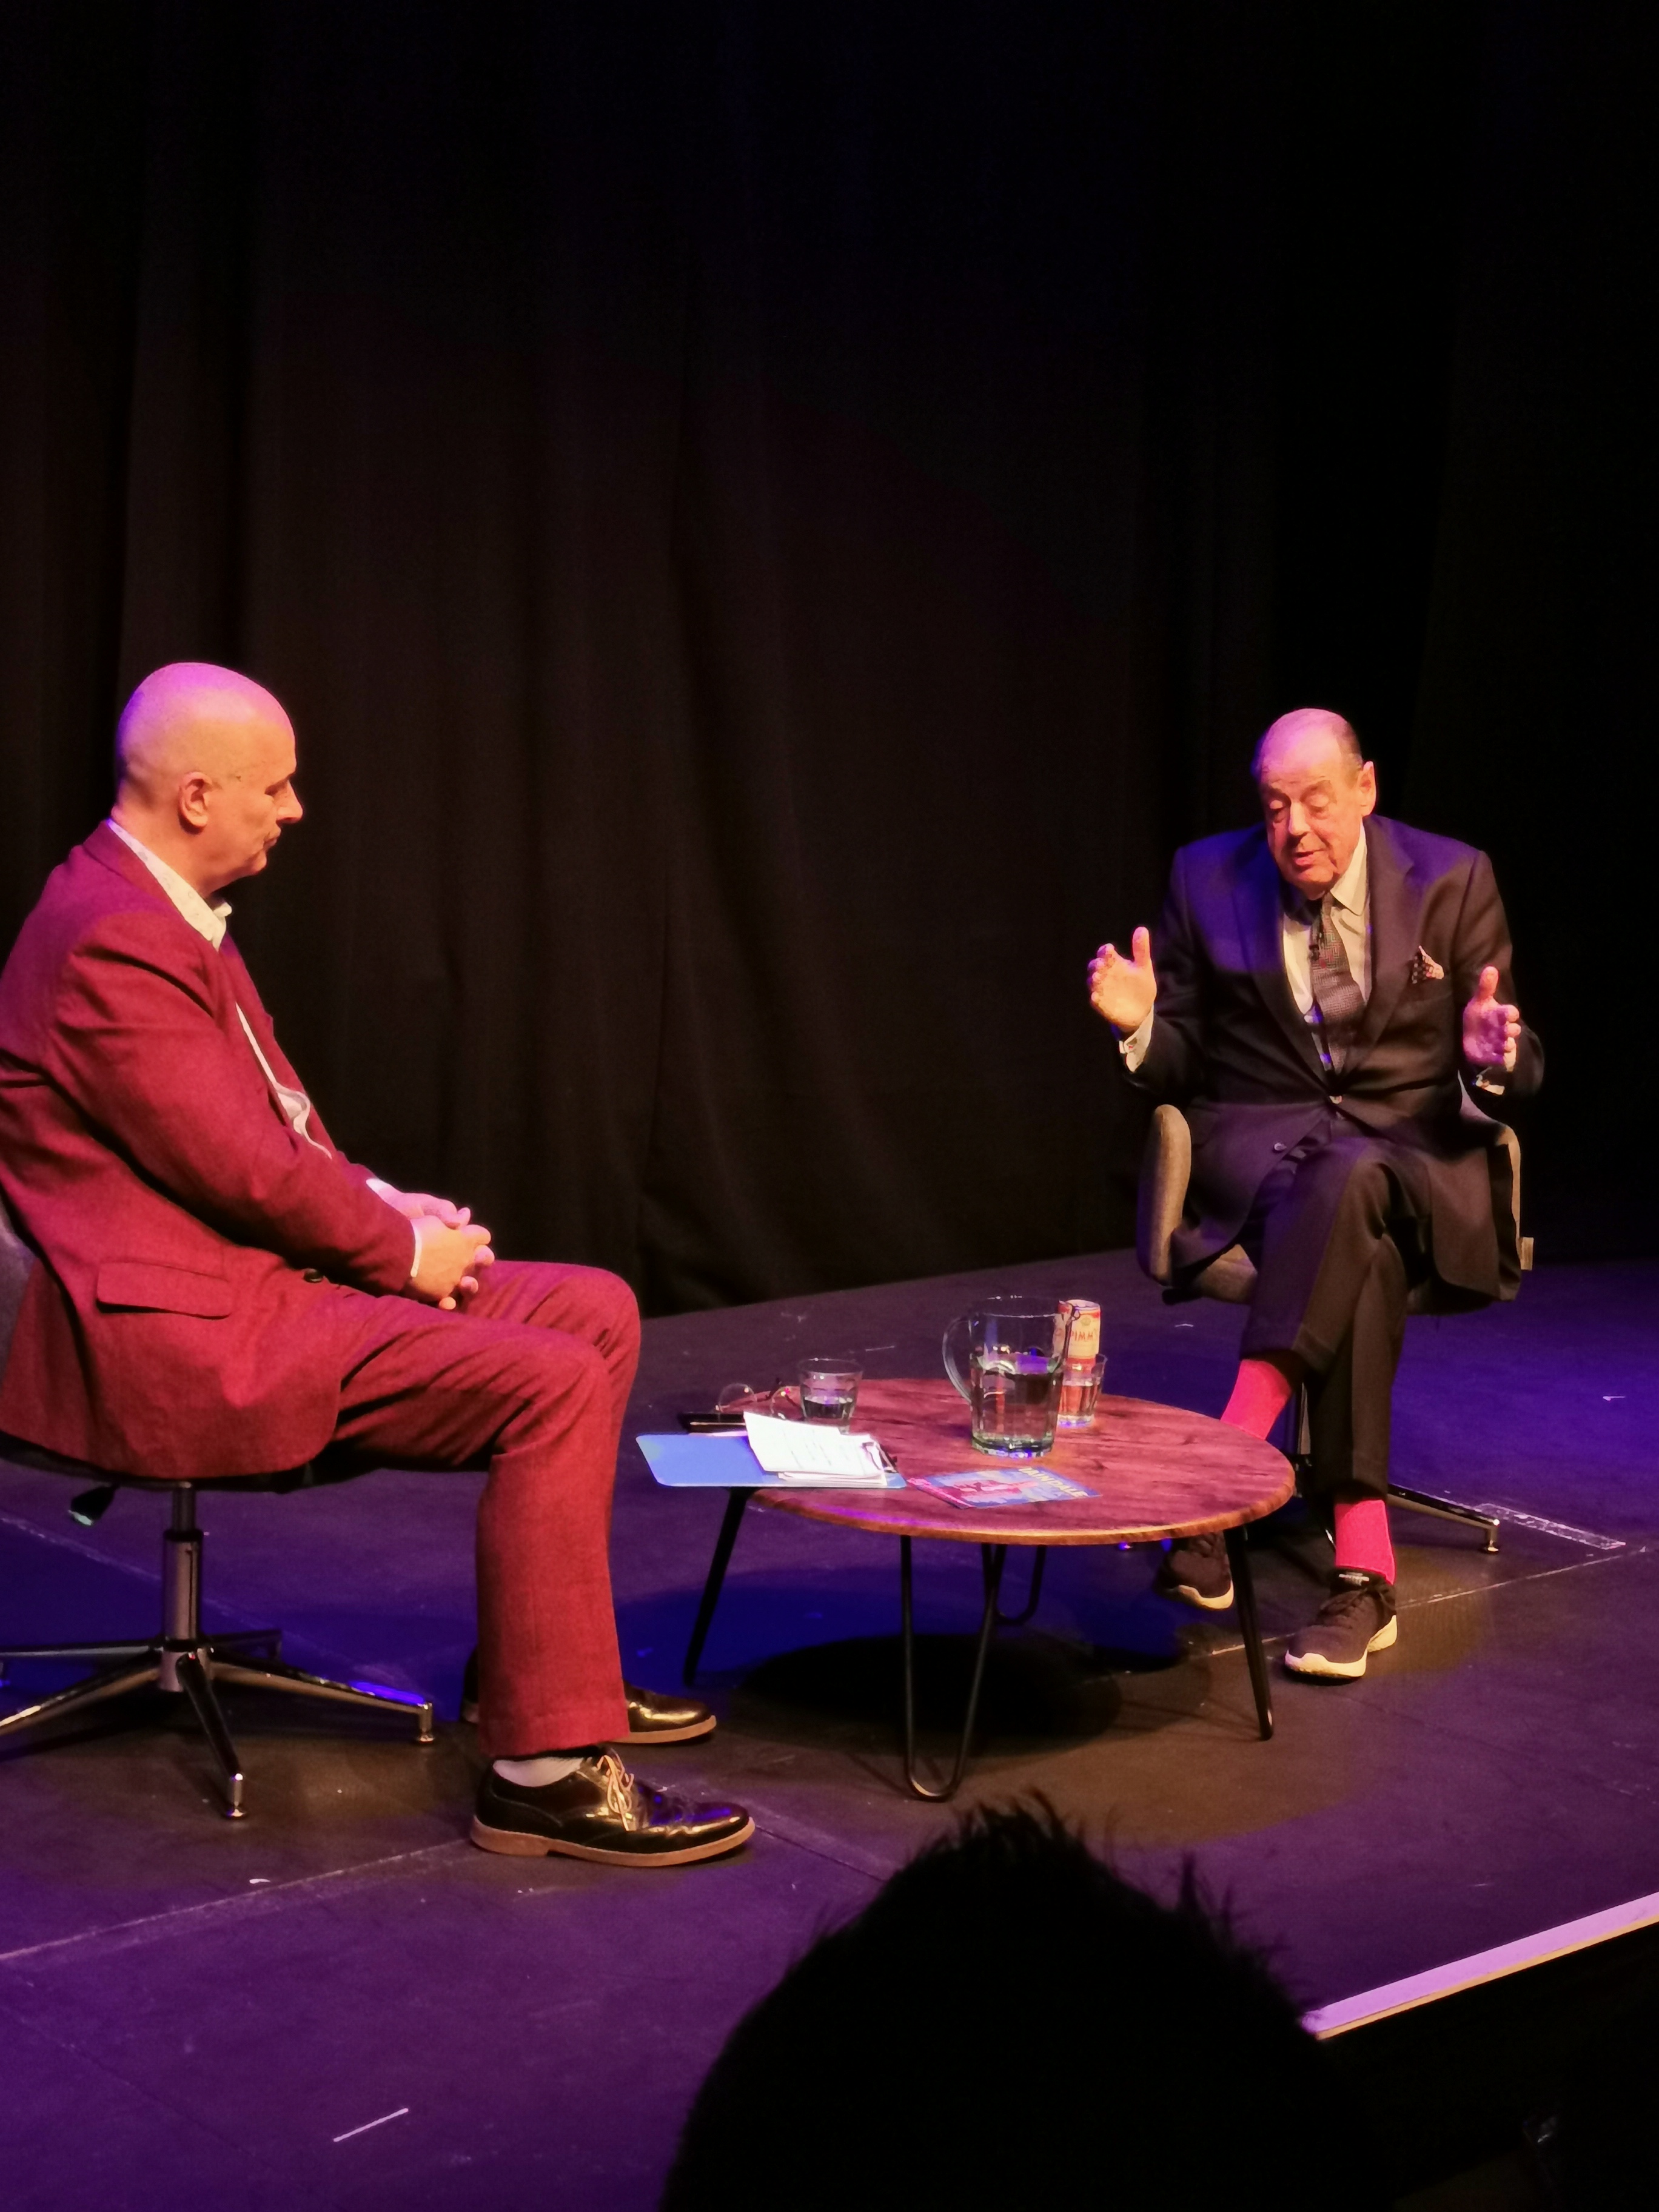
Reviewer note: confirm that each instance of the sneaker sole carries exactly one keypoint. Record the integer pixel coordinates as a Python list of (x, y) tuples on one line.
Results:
[(1188, 1596), (514, 1844), (469, 1714), (1342, 1670)]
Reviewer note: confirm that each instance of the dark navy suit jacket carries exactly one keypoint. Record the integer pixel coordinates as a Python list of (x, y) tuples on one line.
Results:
[(1229, 1045)]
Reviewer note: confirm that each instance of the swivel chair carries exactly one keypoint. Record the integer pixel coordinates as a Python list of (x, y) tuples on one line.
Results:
[(1165, 1171), (180, 1659)]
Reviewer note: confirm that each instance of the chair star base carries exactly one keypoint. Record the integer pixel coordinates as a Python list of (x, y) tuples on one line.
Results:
[(182, 1661)]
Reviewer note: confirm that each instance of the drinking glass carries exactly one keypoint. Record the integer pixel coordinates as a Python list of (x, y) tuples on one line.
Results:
[(1079, 1387), (830, 1390)]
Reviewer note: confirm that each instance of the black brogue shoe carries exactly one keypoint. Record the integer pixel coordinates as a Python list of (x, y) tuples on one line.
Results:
[(604, 1812), (653, 1716)]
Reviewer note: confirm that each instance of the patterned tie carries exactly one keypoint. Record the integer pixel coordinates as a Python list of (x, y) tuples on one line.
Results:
[(1338, 997)]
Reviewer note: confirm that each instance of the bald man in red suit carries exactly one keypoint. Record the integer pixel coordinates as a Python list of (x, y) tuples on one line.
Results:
[(223, 1292)]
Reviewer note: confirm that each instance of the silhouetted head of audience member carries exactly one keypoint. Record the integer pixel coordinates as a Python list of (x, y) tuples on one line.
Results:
[(1008, 2023)]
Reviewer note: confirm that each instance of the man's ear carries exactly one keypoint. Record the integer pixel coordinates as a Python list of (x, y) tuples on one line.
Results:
[(193, 799), (1367, 781)]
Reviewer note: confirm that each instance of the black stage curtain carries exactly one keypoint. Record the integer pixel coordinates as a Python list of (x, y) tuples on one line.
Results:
[(772, 521)]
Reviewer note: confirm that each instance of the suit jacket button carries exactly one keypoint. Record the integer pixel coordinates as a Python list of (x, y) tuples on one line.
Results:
[(1278, 1148), (1336, 1097), (315, 1275)]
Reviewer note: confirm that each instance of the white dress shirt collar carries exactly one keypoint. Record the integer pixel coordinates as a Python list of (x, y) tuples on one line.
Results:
[(211, 922), (1352, 886), (1350, 900)]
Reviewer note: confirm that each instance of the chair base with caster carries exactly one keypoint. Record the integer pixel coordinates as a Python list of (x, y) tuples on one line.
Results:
[(1447, 1508), (1298, 1450), (184, 1662)]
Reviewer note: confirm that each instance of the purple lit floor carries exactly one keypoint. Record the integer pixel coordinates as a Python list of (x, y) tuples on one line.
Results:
[(199, 2014)]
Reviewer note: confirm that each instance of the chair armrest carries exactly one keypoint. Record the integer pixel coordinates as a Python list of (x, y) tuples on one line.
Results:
[(1166, 1166)]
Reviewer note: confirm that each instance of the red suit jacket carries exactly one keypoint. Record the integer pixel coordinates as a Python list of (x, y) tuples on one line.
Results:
[(190, 1319)]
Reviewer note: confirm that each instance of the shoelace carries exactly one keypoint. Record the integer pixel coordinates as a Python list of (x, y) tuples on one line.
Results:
[(618, 1785), (1342, 1601)]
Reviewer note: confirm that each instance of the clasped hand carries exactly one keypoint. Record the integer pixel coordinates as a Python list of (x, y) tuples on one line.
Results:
[(1491, 1030), (452, 1248)]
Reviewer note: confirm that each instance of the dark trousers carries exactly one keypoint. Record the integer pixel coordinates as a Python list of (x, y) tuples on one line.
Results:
[(1338, 1233)]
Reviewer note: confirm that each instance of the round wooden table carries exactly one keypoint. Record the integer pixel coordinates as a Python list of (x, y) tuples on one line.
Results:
[(1151, 1472)]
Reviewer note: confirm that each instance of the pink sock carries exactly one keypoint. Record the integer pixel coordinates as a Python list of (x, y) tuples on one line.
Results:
[(1261, 1390), (1362, 1536)]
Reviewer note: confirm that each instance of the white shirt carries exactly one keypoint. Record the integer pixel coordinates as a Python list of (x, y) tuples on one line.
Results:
[(211, 922), (1351, 912)]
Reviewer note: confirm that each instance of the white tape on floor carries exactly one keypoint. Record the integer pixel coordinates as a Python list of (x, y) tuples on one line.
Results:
[(1482, 1967)]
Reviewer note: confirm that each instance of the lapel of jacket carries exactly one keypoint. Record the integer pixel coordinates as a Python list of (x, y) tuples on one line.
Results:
[(251, 1006), (1396, 910), (1259, 907)]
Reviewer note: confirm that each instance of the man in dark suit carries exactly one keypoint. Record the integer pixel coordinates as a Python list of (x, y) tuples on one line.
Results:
[(1328, 998), (219, 1291)]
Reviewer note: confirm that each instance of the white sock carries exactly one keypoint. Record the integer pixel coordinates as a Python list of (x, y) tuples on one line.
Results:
[(537, 1773)]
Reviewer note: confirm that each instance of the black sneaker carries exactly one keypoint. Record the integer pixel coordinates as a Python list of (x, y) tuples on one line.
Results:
[(1194, 1569), (1357, 1619), (602, 1811), (653, 1716)]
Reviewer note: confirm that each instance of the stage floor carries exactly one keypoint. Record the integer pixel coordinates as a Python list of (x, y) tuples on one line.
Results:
[(340, 2003)]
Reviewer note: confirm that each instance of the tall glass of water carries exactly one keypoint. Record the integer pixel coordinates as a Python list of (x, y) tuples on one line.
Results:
[(1005, 1360)]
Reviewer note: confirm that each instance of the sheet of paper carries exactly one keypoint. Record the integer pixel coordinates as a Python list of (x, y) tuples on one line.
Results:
[(807, 1451), (726, 1462)]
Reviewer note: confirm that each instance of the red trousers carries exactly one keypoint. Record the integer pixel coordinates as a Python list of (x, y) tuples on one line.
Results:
[(530, 1382)]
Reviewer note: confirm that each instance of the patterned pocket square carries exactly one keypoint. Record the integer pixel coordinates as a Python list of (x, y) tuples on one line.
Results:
[(1427, 969)]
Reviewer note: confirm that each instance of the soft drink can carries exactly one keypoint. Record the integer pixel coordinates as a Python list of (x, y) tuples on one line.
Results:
[(1080, 1379), (1083, 1332)]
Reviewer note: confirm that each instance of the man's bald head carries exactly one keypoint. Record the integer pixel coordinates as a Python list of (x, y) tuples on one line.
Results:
[(1301, 729), (206, 761), (1316, 789), (191, 715)]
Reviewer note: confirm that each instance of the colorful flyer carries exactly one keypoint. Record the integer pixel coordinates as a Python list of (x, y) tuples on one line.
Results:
[(1031, 1486)]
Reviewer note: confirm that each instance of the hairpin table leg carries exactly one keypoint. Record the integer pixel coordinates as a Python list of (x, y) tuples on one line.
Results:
[(1039, 1561), (993, 1559), (711, 1589), (1238, 1556)]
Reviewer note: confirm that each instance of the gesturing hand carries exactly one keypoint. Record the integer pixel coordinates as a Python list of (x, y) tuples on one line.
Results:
[(448, 1261), (1123, 990), (1491, 1030)]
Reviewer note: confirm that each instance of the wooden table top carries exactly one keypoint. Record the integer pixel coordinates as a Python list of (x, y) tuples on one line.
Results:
[(1151, 1471)]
